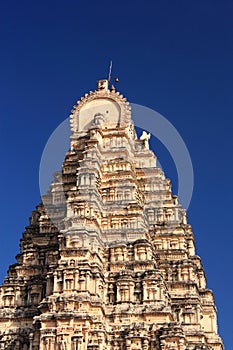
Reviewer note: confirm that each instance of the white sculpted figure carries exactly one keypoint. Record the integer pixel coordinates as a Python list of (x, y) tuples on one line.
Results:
[(145, 137)]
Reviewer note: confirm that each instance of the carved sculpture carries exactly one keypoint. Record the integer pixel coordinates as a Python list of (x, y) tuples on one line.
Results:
[(108, 259)]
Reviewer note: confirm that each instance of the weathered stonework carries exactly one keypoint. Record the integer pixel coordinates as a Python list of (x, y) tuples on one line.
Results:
[(108, 260)]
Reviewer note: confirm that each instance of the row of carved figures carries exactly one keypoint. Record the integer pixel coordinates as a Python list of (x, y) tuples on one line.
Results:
[(121, 290)]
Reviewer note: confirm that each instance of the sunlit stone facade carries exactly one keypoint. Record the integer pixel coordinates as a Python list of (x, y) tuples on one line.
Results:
[(108, 260)]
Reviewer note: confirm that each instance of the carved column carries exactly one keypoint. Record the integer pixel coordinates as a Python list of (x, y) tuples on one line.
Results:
[(145, 294), (30, 341), (87, 284), (52, 344), (82, 281), (128, 344), (131, 291), (145, 344), (77, 343), (138, 292)]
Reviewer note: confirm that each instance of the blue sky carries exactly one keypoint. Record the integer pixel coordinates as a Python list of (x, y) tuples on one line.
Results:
[(172, 56)]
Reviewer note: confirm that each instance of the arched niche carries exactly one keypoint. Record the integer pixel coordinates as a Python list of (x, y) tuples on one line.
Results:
[(100, 111)]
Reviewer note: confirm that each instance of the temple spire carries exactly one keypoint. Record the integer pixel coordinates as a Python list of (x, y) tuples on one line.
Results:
[(120, 270)]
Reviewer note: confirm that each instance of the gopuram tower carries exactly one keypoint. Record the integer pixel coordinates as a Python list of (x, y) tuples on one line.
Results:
[(108, 259)]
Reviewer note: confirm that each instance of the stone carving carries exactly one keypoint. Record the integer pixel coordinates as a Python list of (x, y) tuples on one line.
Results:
[(145, 138), (120, 270)]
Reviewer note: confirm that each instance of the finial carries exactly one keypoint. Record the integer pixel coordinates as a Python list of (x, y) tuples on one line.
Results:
[(102, 84), (105, 83)]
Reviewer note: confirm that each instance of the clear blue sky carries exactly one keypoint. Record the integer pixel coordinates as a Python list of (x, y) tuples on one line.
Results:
[(175, 57)]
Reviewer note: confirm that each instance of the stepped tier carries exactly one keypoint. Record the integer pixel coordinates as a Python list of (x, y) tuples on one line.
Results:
[(108, 260)]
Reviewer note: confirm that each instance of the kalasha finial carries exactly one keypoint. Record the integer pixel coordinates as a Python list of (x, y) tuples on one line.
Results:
[(105, 83), (102, 84)]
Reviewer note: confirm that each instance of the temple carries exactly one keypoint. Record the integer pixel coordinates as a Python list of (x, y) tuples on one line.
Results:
[(108, 259)]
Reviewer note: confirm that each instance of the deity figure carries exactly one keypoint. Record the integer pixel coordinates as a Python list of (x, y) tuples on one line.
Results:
[(145, 138)]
